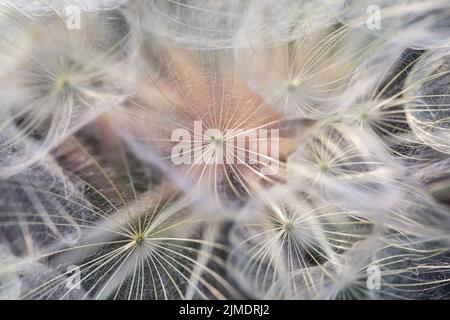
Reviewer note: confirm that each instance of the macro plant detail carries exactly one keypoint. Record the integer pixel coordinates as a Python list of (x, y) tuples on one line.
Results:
[(206, 149)]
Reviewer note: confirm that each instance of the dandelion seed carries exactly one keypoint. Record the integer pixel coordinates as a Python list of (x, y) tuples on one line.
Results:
[(286, 244), (58, 81), (226, 108)]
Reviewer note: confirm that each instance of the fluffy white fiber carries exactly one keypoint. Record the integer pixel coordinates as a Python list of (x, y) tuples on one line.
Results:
[(354, 203)]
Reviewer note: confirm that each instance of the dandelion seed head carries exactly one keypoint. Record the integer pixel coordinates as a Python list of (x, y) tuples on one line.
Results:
[(335, 115)]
